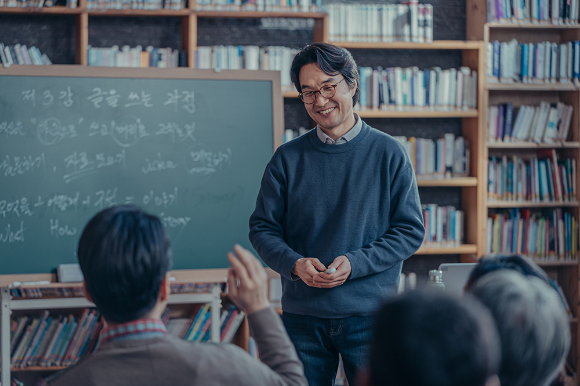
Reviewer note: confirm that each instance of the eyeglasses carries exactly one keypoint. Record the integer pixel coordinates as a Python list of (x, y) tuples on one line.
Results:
[(309, 97)]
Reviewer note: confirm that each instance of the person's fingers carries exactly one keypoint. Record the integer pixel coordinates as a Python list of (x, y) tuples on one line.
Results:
[(317, 264), (232, 285), (239, 268), (246, 261)]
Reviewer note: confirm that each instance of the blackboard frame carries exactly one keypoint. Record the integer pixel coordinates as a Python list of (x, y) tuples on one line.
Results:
[(186, 275)]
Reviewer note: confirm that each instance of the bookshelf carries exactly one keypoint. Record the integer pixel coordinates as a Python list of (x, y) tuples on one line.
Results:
[(472, 53), (566, 272), (9, 305)]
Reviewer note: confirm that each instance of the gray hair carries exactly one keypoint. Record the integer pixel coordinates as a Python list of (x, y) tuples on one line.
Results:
[(532, 324)]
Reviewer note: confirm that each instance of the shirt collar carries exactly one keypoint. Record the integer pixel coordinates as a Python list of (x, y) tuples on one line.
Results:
[(349, 136), (149, 327)]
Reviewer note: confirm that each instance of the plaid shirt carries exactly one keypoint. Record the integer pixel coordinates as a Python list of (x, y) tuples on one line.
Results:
[(135, 329)]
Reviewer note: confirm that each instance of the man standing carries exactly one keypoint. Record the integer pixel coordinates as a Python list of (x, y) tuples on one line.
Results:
[(337, 213)]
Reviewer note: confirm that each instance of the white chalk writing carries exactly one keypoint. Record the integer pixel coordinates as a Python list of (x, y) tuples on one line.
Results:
[(186, 98), (50, 131), (161, 199), (176, 132), (56, 230), (157, 164), (204, 162), (17, 207), (11, 128), (16, 165), (142, 99), (10, 236)]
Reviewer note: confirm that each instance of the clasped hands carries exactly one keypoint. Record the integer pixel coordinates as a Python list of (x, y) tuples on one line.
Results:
[(311, 271)]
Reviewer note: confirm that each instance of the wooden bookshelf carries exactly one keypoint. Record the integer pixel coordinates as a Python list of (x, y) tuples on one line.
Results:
[(563, 263), (461, 250), (532, 145), (138, 12), (529, 204), (290, 94), (435, 45), (259, 14), (566, 272), (449, 182), (37, 368), (58, 10), (471, 113), (530, 87), (532, 26)]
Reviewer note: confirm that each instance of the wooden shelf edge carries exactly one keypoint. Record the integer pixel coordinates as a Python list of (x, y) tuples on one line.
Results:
[(529, 204), (161, 12), (463, 249), (451, 182), (522, 25), (435, 45), (563, 263), (37, 368), (138, 12), (259, 14), (532, 145), (471, 113), (290, 94), (530, 87), (57, 10)]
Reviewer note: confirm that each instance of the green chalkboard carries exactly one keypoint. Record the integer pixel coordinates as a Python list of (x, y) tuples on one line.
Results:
[(187, 145)]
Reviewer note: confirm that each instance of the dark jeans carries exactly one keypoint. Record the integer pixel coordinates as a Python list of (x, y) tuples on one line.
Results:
[(319, 341)]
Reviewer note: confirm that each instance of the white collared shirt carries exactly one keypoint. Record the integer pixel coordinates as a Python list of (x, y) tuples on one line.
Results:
[(345, 138)]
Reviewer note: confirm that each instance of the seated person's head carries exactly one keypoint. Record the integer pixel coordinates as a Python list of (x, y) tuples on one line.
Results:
[(431, 339), (125, 258), (532, 324), (518, 263)]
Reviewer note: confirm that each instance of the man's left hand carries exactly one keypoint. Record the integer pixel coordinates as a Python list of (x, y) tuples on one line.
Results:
[(329, 280)]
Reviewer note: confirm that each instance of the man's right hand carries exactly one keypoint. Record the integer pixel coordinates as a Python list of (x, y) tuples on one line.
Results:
[(306, 268)]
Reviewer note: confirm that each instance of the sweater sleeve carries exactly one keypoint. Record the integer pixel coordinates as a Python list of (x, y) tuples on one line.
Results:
[(404, 236), (266, 225)]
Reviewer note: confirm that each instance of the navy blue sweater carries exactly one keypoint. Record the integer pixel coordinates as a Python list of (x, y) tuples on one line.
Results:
[(358, 199)]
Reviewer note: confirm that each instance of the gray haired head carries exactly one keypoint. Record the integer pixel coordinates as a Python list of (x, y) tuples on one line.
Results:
[(532, 324)]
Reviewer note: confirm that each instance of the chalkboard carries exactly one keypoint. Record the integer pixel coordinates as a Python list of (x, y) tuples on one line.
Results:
[(187, 145)]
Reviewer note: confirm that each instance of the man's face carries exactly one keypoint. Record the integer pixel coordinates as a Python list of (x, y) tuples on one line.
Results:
[(332, 113)]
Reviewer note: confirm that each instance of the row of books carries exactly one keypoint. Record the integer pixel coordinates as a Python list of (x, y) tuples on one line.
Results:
[(198, 326), (543, 179), (259, 5), (67, 292), (549, 236), (136, 4), (545, 62), (533, 11), (46, 292), (39, 3), (20, 54), (410, 22), (53, 340), (410, 88), (546, 123), (270, 58), (441, 158), (443, 226), (136, 57)]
